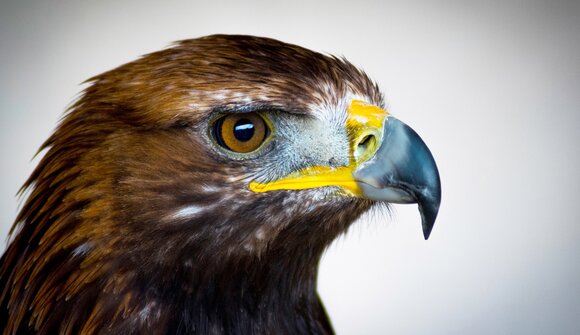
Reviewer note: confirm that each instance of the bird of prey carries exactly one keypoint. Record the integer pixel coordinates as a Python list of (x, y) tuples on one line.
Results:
[(194, 190)]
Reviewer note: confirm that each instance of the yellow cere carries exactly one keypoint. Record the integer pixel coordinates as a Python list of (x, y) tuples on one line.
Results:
[(363, 120), (361, 113)]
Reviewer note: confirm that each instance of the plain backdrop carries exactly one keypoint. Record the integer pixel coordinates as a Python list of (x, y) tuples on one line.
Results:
[(493, 87)]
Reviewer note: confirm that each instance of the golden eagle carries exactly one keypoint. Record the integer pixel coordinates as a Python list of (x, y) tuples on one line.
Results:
[(193, 191)]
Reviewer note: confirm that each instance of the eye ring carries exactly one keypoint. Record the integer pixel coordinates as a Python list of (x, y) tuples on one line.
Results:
[(241, 132)]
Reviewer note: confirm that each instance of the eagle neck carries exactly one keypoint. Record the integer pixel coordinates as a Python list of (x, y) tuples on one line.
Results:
[(276, 294)]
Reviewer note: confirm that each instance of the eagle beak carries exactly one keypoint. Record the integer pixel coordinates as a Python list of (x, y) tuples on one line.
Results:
[(388, 162), (402, 170)]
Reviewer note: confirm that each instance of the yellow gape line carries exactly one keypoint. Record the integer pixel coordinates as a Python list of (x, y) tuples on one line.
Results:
[(316, 176), (364, 125)]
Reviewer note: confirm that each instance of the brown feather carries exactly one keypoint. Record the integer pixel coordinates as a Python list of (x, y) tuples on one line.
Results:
[(95, 249)]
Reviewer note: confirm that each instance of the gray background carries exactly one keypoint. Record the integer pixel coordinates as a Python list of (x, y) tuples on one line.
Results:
[(492, 87)]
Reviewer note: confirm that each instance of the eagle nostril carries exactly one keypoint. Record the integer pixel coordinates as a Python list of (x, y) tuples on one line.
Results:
[(365, 147)]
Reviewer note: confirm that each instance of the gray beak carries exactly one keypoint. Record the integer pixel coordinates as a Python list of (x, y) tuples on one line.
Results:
[(402, 171)]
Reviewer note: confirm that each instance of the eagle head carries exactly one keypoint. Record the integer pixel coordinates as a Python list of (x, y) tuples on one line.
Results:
[(195, 189)]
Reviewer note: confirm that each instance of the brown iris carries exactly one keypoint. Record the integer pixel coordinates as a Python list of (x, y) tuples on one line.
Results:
[(243, 132)]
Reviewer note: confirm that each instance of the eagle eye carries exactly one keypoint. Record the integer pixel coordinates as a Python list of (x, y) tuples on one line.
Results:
[(242, 132)]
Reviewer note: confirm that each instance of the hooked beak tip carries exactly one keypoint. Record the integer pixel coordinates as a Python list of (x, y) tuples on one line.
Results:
[(402, 170)]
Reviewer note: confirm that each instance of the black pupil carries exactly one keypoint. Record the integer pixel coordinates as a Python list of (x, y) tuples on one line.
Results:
[(243, 130)]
